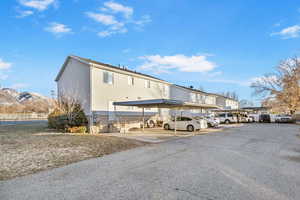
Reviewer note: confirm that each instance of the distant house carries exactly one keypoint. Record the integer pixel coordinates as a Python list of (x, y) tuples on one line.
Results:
[(227, 103), (192, 95)]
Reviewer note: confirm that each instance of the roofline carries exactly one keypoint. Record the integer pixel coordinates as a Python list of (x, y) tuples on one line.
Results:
[(164, 103), (105, 66), (194, 90), (62, 69), (219, 95), (126, 72), (199, 91)]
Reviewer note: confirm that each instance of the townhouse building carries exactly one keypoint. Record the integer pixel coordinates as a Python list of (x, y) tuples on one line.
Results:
[(96, 86)]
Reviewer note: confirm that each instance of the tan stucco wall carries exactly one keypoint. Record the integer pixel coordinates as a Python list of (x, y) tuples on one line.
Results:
[(75, 82)]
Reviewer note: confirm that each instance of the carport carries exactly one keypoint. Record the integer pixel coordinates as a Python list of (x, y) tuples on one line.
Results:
[(164, 103)]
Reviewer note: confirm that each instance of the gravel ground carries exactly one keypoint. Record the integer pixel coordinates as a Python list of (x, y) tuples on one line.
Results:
[(255, 161), (30, 148)]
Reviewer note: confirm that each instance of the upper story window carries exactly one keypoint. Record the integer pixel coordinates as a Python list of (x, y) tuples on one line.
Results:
[(193, 97), (165, 90), (130, 80), (147, 84), (108, 77)]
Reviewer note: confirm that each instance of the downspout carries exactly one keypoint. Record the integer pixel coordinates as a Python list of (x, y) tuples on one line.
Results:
[(91, 121)]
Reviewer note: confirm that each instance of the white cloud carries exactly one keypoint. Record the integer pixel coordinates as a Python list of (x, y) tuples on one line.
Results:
[(165, 64), (17, 86), (3, 76), (111, 32), (58, 29), (118, 8), (289, 32), (4, 65), (277, 24), (116, 18), (126, 50), (144, 20), (39, 5), (24, 13), (114, 26), (102, 18), (104, 33)]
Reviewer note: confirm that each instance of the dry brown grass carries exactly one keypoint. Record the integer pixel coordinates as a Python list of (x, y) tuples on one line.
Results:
[(27, 149)]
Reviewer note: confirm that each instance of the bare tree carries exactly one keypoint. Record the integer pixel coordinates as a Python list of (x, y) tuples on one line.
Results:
[(68, 106), (246, 103), (282, 85), (232, 95)]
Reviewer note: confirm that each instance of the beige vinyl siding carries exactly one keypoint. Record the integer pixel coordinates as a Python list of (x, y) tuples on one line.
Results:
[(120, 90), (75, 82)]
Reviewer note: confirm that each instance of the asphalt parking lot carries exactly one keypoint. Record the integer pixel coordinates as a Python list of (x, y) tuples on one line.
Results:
[(255, 161)]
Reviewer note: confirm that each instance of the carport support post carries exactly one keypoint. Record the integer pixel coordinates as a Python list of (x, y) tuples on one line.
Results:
[(143, 120), (175, 130)]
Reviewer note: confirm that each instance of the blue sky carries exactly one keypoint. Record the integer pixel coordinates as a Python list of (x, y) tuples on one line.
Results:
[(218, 45)]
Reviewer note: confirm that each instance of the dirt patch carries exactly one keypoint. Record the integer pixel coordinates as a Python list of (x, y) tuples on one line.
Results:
[(26, 149)]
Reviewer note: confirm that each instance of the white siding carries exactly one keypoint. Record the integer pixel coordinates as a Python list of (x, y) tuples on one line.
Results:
[(226, 103), (120, 90), (75, 82), (178, 93)]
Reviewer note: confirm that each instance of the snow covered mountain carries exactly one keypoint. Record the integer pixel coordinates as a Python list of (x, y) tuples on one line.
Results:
[(11, 97)]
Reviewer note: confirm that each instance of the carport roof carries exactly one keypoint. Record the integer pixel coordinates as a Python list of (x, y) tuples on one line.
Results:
[(164, 103), (232, 110)]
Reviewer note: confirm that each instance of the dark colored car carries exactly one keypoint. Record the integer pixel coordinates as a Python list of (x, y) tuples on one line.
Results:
[(265, 118)]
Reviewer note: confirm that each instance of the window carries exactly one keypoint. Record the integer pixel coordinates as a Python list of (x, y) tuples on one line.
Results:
[(147, 84), (186, 119), (221, 115), (230, 115), (193, 97), (108, 77), (165, 90), (130, 80), (130, 107)]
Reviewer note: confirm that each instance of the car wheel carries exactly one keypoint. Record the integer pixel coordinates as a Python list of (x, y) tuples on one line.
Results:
[(190, 128), (151, 124), (167, 127), (227, 121)]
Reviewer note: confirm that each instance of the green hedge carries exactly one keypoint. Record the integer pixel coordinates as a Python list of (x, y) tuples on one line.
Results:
[(60, 121)]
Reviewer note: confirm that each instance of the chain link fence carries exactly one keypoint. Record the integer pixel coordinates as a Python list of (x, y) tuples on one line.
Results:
[(22, 118)]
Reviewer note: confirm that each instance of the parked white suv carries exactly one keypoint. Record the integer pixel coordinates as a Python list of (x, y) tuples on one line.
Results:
[(183, 123), (211, 120), (246, 119), (227, 118)]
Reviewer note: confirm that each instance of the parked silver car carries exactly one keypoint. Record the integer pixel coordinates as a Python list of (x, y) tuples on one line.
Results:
[(212, 121), (283, 119)]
